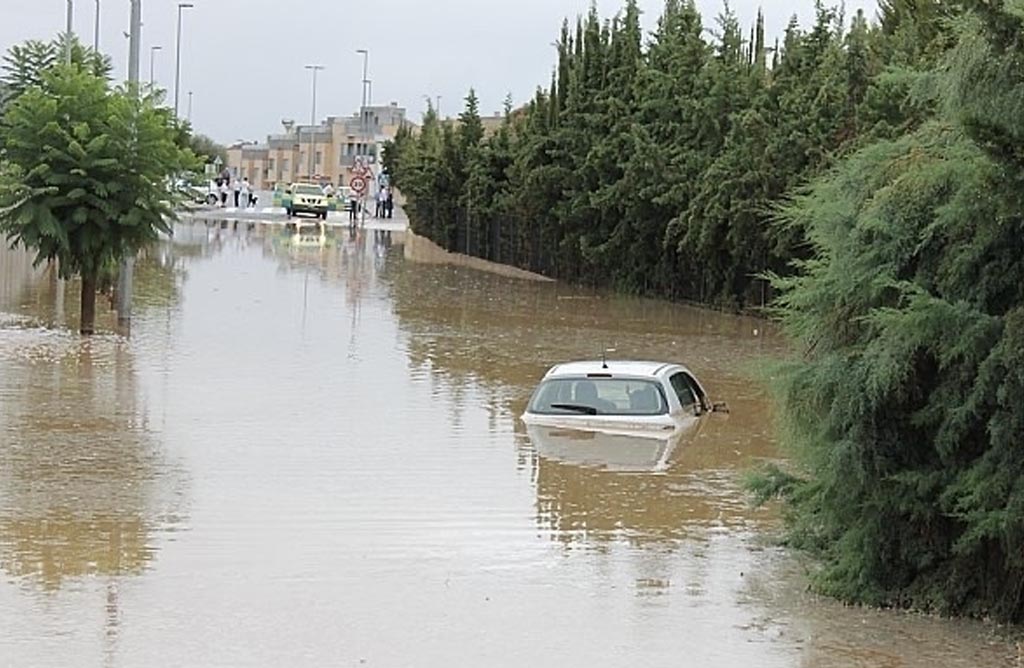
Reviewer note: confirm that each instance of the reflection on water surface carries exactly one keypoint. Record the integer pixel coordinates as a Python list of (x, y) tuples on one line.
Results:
[(309, 448)]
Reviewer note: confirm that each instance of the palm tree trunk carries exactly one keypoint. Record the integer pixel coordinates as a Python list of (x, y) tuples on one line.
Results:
[(88, 326)]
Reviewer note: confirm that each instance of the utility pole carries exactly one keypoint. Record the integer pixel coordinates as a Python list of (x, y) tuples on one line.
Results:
[(67, 34), (125, 282), (177, 57), (366, 63), (362, 124), (96, 32), (312, 123), (135, 42)]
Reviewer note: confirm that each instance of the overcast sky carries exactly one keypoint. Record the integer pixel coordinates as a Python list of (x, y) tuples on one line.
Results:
[(244, 59)]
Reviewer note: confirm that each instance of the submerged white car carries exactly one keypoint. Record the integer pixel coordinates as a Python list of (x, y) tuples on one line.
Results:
[(619, 397)]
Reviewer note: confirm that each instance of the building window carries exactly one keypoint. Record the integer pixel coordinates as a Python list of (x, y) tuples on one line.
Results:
[(284, 164), (270, 167), (317, 157)]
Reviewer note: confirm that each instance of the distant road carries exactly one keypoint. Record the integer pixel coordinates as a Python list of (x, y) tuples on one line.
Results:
[(269, 215)]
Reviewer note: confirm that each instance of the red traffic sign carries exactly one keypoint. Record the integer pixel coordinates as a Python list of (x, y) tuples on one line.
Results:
[(358, 184)]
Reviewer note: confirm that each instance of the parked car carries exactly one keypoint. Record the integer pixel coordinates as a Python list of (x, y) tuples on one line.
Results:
[(196, 192), (203, 194), (619, 397), (305, 198)]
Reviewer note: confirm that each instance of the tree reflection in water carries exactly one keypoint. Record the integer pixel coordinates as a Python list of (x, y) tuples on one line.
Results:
[(83, 483), (83, 486)]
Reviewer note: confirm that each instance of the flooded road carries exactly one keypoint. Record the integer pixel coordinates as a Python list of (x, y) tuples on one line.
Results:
[(310, 456)]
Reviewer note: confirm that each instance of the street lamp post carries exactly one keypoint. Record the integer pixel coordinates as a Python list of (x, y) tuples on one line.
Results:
[(67, 34), (312, 122), (189, 117), (177, 57), (152, 58)]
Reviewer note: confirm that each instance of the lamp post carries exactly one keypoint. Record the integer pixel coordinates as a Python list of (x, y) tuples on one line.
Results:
[(152, 58), (177, 57), (312, 121), (96, 31), (67, 34), (189, 117)]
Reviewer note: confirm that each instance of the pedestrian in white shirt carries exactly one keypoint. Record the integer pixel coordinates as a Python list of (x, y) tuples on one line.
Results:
[(246, 193)]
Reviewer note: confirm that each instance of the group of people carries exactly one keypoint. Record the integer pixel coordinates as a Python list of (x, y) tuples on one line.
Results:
[(385, 203), (245, 195)]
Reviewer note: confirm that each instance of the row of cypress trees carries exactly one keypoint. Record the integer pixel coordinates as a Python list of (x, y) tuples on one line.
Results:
[(867, 180), (653, 165)]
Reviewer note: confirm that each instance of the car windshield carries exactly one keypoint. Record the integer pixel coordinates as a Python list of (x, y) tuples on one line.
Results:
[(308, 190), (598, 396)]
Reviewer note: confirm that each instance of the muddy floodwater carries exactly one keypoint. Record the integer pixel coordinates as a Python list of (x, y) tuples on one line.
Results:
[(310, 454)]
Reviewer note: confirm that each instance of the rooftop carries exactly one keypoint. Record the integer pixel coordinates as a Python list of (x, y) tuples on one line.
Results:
[(632, 368)]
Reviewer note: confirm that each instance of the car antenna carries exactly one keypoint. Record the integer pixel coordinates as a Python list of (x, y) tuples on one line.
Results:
[(604, 357)]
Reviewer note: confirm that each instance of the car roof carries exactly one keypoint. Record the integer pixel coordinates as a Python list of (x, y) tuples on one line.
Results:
[(632, 368)]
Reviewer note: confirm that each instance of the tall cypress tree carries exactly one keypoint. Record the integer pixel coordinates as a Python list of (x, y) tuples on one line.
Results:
[(904, 409)]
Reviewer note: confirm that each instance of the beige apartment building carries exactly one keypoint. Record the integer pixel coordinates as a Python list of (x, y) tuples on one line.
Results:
[(326, 152)]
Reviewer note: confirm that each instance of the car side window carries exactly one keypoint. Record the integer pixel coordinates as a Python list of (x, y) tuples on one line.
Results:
[(682, 388), (697, 392)]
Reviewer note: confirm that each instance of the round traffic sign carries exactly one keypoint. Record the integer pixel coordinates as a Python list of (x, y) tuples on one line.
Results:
[(358, 184)]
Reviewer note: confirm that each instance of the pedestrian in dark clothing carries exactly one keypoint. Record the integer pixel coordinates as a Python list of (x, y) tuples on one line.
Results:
[(352, 210), (391, 203)]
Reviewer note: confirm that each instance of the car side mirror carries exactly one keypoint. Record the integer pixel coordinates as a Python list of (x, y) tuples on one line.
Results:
[(287, 192), (720, 407)]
